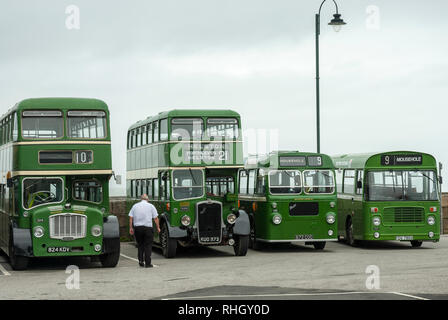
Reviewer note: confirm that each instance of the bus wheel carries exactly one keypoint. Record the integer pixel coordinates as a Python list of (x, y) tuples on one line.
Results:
[(109, 260), (169, 245), (349, 233), (241, 245), (16, 262), (319, 245), (416, 243)]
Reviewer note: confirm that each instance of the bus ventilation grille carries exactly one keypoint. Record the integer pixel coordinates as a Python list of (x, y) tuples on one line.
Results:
[(410, 215)]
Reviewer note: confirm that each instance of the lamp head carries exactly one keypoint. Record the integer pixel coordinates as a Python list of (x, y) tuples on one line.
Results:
[(336, 22)]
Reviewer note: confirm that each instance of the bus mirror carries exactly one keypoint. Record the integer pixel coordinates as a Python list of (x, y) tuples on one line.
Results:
[(118, 179), (359, 184), (9, 183), (165, 177), (440, 180)]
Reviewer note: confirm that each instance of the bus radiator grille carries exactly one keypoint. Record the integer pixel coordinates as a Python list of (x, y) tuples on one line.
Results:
[(68, 226), (209, 222), (410, 215)]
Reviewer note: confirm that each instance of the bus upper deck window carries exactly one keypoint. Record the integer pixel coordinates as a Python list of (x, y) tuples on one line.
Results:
[(45, 124), (186, 129), (222, 127), (86, 124)]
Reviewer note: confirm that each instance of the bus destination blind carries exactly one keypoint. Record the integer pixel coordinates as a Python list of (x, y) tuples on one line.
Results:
[(401, 160)]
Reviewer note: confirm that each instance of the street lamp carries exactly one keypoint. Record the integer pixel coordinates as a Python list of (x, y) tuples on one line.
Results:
[(337, 23)]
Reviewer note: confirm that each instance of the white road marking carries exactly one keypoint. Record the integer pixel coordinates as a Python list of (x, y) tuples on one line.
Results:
[(127, 257), (268, 295), (409, 296), (3, 270), (136, 260)]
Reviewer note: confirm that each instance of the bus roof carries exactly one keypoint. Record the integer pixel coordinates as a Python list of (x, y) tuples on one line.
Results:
[(299, 158), (187, 113), (374, 160), (58, 103)]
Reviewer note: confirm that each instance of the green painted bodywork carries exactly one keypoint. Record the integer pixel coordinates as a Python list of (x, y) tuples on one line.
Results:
[(151, 160), (24, 155), (291, 226), (358, 210)]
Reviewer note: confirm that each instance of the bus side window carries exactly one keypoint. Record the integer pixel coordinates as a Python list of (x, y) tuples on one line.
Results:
[(359, 181), (149, 133), (155, 129), (243, 182), (149, 188), (251, 185), (349, 181), (144, 136), (260, 184), (132, 189), (155, 183), (339, 173), (163, 129), (139, 137)]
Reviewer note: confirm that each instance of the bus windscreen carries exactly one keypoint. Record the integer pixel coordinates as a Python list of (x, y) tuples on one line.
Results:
[(404, 185)]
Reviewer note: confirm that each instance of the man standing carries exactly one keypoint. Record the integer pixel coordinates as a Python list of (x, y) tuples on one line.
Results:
[(140, 223)]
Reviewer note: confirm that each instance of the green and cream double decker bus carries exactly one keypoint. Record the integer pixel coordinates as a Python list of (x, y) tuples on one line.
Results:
[(290, 197), (187, 162), (388, 196), (55, 168)]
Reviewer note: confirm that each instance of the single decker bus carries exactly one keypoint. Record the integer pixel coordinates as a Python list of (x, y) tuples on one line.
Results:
[(55, 158), (187, 162), (388, 196), (290, 196)]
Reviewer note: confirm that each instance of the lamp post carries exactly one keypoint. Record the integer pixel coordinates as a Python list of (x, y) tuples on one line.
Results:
[(337, 23)]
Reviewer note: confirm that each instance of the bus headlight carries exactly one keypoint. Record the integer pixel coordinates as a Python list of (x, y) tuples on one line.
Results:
[(185, 220), (277, 219), (38, 232), (431, 220), (376, 221), (331, 218), (96, 231), (231, 218)]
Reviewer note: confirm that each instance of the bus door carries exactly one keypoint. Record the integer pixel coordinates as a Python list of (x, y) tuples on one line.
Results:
[(357, 205)]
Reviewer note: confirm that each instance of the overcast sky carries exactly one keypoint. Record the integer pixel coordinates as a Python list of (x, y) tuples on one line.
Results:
[(383, 76)]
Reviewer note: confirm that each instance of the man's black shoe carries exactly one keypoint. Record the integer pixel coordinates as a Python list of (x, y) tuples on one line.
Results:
[(141, 264), (149, 266)]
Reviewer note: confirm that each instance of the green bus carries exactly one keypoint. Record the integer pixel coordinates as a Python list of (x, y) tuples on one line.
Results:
[(388, 196), (290, 196), (55, 157), (187, 162)]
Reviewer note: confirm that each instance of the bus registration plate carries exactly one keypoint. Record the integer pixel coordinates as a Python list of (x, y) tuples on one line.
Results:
[(209, 239), (304, 236), (58, 249), (404, 238)]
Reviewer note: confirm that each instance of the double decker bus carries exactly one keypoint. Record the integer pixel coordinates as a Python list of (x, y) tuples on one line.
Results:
[(55, 158), (187, 162), (388, 196), (290, 196)]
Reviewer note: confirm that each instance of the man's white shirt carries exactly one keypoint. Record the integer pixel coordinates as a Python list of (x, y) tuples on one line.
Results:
[(142, 214)]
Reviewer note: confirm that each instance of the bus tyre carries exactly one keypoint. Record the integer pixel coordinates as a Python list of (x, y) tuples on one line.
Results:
[(349, 233), (241, 245), (416, 243), (109, 260), (319, 245), (16, 262), (169, 245)]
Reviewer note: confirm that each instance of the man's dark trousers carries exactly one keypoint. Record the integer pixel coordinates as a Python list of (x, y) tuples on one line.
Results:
[(144, 236)]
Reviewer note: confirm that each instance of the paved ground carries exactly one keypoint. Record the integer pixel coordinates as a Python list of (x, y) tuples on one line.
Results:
[(277, 272)]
